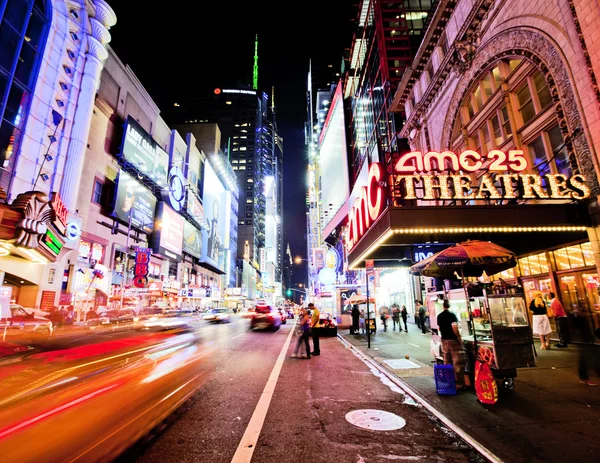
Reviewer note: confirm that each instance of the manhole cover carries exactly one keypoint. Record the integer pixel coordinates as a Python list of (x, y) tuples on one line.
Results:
[(375, 420), (400, 364)]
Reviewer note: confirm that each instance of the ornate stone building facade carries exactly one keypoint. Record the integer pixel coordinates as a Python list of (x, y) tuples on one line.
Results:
[(504, 75), (53, 54)]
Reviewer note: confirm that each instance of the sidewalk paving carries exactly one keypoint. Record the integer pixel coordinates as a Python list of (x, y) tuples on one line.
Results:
[(549, 417)]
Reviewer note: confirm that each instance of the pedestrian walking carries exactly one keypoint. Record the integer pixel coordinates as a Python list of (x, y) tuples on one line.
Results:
[(314, 321), (361, 321), (384, 315), (452, 344), (404, 314), (304, 334), (562, 322), (541, 323), (396, 317), (587, 350), (422, 312), (355, 329)]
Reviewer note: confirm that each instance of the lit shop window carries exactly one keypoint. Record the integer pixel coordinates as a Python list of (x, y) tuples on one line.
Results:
[(534, 265), (243, 148), (580, 255), (90, 252), (547, 147)]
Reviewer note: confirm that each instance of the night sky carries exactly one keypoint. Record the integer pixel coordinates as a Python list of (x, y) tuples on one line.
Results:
[(184, 49)]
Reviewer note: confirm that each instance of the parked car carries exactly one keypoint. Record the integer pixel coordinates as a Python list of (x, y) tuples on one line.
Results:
[(24, 321), (114, 318), (265, 317), (327, 326), (218, 316)]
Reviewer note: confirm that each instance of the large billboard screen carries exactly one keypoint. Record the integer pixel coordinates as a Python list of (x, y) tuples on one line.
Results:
[(333, 162), (140, 150), (134, 200), (192, 240), (168, 237), (215, 214)]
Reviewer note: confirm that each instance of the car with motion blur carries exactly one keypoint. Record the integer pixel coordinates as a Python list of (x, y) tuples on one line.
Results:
[(114, 318), (218, 316), (24, 321), (156, 318), (247, 312), (327, 325), (290, 312), (265, 317), (283, 315)]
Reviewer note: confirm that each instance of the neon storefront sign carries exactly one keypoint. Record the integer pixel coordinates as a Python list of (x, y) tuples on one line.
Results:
[(368, 206), (466, 176), (419, 176)]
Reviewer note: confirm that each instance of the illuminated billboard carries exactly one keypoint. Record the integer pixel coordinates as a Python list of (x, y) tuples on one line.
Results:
[(141, 151), (167, 240), (135, 201), (192, 240), (333, 166), (216, 217)]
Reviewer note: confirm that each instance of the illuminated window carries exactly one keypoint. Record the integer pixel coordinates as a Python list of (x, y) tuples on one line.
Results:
[(250, 180), (23, 29), (526, 107), (243, 148), (249, 201), (588, 254)]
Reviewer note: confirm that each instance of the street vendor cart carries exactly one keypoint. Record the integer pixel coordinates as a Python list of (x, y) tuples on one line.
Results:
[(370, 309), (493, 320)]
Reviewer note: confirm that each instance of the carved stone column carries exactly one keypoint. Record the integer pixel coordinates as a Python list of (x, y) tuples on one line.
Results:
[(85, 102)]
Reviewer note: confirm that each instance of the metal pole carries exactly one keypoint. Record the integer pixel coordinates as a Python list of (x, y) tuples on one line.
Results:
[(126, 257), (368, 316)]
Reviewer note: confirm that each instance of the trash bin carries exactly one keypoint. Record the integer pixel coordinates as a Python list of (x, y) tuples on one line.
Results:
[(445, 383)]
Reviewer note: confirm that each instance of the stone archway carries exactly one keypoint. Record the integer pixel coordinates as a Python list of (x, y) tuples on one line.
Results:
[(536, 48)]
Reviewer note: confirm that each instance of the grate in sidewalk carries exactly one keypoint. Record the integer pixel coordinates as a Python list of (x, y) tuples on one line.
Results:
[(401, 364)]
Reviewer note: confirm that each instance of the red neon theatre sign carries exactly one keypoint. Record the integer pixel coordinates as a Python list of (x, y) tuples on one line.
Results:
[(368, 206)]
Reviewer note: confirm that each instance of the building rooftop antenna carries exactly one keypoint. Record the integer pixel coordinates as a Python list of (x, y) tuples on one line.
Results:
[(255, 73)]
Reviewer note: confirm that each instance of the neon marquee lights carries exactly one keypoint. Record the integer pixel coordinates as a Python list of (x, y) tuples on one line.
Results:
[(447, 176)]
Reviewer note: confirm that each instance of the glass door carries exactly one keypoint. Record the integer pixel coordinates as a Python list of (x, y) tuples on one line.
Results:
[(579, 292)]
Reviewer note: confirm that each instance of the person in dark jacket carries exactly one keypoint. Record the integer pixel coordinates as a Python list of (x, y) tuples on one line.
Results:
[(355, 328), (404, 314)]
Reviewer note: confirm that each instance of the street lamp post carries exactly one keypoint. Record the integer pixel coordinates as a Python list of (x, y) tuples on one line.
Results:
[(126, 257)]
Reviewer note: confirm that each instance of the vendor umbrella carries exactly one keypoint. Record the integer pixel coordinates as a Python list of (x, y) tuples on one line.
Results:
[(470, 258)]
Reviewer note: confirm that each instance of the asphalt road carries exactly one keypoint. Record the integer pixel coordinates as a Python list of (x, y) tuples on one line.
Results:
[(305, 419)]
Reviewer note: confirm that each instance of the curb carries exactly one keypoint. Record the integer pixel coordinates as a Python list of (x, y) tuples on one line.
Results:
[(483, 451)]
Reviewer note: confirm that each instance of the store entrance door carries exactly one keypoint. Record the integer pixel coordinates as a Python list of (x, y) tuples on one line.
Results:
[(580, 294)]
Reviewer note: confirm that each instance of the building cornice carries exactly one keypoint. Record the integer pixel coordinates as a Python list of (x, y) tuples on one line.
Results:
[(458, 60)]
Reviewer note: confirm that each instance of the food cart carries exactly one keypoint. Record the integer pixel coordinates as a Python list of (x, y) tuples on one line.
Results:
[(370, 310), (493, 319), (495, 328)]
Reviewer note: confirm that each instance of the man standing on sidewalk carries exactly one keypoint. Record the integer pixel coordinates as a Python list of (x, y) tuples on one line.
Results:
[(422, 312), (452, 345), (562, 323), (314, 321)]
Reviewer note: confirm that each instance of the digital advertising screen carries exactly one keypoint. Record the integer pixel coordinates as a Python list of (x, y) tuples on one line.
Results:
[(214, 214), (135, 201), (333, 162), (140, 150), (169, 234), (192, 240)]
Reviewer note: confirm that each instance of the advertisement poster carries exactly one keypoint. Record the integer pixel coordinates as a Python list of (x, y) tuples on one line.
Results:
[(140, 150), (170, 233), (194, 208), (319, 258), (214, 213), (47, 301), (192, 240), (135, 200), (193, 167)]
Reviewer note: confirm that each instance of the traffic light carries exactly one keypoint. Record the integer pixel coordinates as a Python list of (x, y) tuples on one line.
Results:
[(288, 292)]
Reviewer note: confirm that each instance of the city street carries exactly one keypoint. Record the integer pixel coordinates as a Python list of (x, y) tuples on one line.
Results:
[(306, 417)]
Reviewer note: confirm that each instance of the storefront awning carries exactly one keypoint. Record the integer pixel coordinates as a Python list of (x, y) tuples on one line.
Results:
[(521, 228)]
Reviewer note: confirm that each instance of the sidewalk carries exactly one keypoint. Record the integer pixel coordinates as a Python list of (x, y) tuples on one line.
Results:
[(549, 417)]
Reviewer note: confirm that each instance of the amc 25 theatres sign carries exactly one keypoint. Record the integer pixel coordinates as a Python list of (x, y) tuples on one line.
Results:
[(468, 176)]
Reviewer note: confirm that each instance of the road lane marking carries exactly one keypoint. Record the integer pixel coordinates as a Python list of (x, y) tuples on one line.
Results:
[(414, 345), (245, 449), (238, 336)]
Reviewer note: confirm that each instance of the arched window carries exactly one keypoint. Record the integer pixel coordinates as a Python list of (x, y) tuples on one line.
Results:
[(23, 32), (492, 120)]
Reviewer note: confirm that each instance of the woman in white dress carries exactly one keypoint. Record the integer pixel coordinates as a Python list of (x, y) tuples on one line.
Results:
[(541, 323)]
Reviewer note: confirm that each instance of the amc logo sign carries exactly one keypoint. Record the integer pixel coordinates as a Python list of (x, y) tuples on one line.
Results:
[(368, 206)]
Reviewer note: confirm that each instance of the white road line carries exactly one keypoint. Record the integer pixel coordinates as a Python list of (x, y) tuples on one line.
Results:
[(245, 449), (414, 345), (238, 336)]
